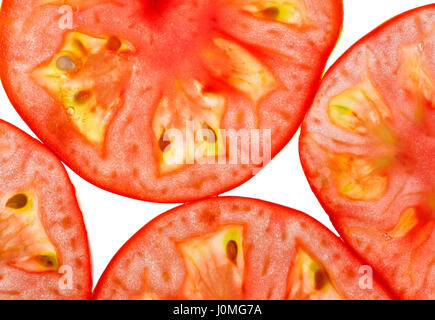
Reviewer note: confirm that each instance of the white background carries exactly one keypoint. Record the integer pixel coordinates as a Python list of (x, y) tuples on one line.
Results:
[(111, 219)]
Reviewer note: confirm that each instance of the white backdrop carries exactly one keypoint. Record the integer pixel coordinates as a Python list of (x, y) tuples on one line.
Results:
[(111, 219)]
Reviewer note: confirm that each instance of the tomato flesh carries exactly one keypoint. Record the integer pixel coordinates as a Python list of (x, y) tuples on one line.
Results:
[(44, 251), (234, 248), (141, 108), (372, 125)]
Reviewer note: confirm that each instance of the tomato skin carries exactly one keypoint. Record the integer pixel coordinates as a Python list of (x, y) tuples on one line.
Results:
[(136, 267), (33, 169), (403, 261), (130, 170)]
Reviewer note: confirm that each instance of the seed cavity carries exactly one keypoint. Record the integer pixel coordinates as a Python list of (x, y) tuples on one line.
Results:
[(291, 12), (65, 63), (309, 279), (362, 109), (238, 67), (113, 44), (407, 222), (416, 79), (232, 251), (359, 178), (213, 270), (188, 102), (87, 76), (17, 201)]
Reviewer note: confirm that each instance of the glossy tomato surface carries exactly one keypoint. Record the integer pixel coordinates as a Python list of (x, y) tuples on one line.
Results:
[(236, 248), (368, 146), (44, 251), (167, 100)]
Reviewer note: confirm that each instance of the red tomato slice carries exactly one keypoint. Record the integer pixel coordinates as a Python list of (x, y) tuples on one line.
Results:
[(235, 248), (44, 251), (368, 146), (112, 94)]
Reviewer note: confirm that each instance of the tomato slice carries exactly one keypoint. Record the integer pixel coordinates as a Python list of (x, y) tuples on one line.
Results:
[(235, 248), (368, 145), (44, 252), (167, 100)]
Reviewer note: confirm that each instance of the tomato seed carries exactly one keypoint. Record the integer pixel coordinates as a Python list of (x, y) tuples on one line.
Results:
[(270, 13), (113, 44), (320, 279), (164, 142), (232, 251), (18, 201), (82, 96), (65, 63)]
